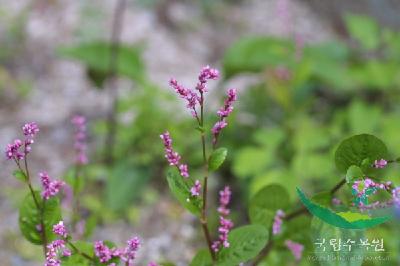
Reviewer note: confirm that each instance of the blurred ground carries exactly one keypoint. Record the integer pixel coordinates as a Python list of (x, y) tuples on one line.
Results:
[(177, 41)]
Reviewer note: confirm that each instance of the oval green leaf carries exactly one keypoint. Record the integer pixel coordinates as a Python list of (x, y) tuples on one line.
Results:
[(202, 258), (180, 188), (29, 218), (354, 150), (217, 158), (266, 202), (245, 243)]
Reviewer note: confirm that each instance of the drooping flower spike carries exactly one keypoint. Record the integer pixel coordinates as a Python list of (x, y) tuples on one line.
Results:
[(173, 157)]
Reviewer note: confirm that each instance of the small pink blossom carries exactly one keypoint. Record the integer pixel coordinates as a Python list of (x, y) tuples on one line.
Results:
[(224, 199), (380, 163), (183, 169), (60, 229), (277, 225), (295, 248), (196, 189)]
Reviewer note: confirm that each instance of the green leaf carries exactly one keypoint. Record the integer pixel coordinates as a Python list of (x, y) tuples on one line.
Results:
[(125, 183), (354, 150), (29, 217), (344, 220), (354, 173), (96, 57), (245, 243), (255, 54), (77, 259), (18, 174), (321, 230), (180, 188), (202, 258), (266, 202), (364, 29), (217, 158)]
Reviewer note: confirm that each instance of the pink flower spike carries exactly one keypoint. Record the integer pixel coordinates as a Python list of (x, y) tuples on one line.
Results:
[(60, 229), (196, 189), (206, 74), (225, 225), (224, 199), (295, 248)]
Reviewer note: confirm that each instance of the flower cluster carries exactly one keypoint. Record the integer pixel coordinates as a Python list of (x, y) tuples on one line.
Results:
[(19, 149), (60, 229), (104, 253), (173, 157), (80, 139), (223, 113), (128, 254), (366, 187), (50, 187), (380, 163), (55, 250), (277, 225), (225, 225), (130, 251), (295, 248)]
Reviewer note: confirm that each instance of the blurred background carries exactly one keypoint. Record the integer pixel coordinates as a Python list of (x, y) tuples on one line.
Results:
[(309, 73)]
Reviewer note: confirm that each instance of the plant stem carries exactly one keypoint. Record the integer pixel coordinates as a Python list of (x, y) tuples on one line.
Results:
[(75, 203), (112, 72), (268, 247), (36, 201), (83, 254), (203, 218)]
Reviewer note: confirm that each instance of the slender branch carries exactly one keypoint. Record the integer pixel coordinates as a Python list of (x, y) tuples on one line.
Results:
[(112, 72), (36, 201), (268, 248), (203, 218), (83, 254), (75, 203)]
